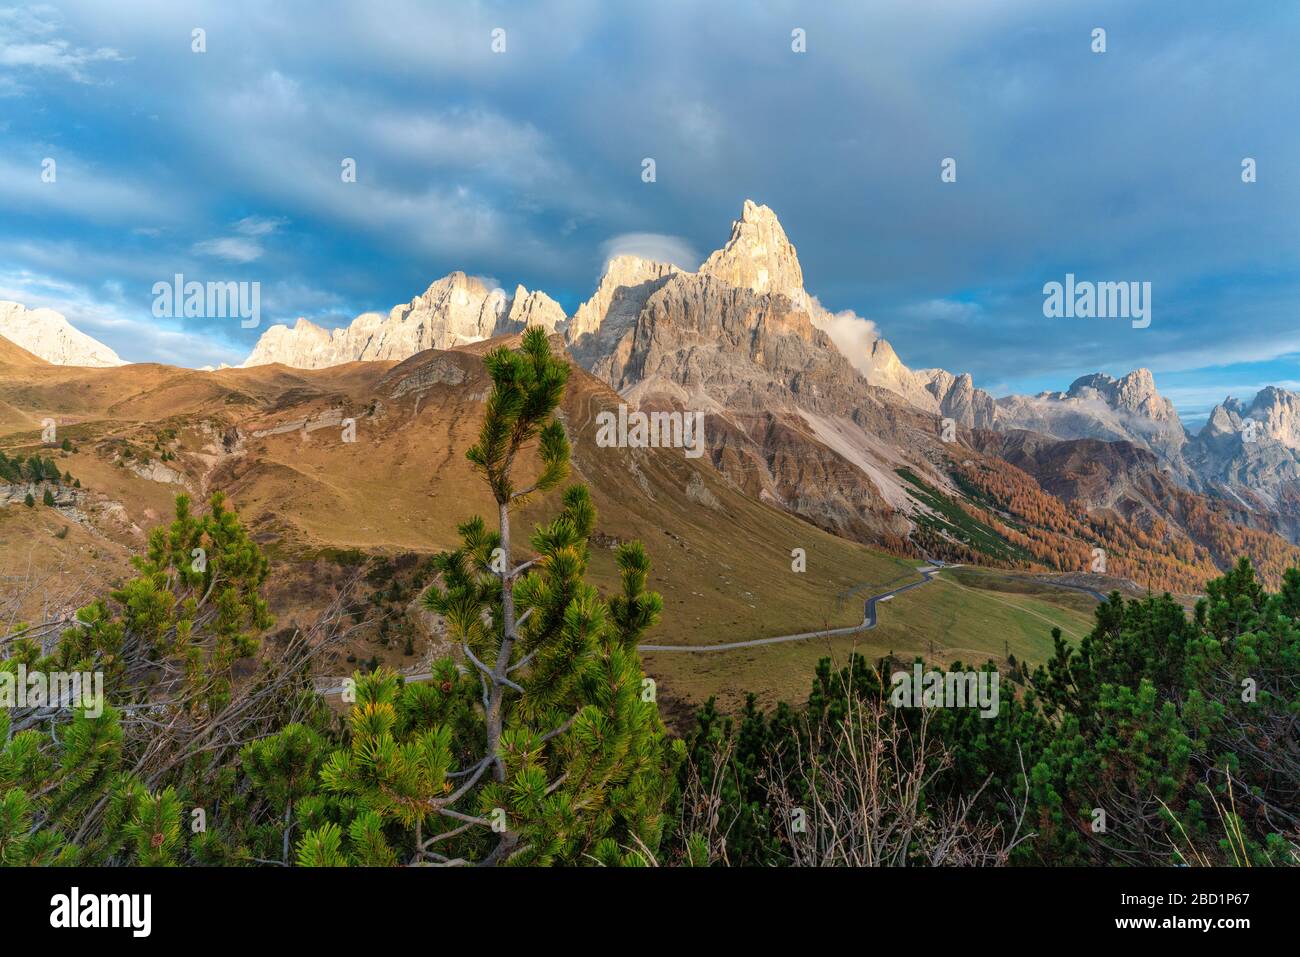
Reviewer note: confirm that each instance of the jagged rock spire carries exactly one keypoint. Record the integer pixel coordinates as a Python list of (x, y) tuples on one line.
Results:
[(758, 256)]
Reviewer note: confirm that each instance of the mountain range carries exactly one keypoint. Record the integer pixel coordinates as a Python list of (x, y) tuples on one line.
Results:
[(832, 427)]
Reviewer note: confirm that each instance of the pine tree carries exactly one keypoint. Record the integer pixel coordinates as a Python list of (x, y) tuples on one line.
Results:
[(285, 767), (111, 787), (29, 501), (549, 747), (48, 498)]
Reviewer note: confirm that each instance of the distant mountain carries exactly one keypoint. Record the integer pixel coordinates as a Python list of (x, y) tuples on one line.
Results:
[(46, 334), (455, 310), (1247, 455), (1250, 453), (1101, 407), (1124, 480)]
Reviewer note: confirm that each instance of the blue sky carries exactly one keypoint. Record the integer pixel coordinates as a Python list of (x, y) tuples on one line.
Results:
[(525, 166)]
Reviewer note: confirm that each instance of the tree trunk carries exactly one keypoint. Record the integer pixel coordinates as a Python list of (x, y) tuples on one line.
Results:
[(288, 827), (497, 692)]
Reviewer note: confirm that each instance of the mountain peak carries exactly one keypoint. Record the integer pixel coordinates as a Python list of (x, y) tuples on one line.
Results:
[(1142, 375), (752, 212), (630, 269), (882, 357), (758, 256), (1135, 392), (535, 309), (46, 334), (624, 286)]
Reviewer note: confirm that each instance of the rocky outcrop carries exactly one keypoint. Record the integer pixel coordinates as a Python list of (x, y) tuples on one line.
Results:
[(881, 367), (1252, 450), (46, 334), (601, 321), (1101, 407), (533, 309), (758, 256), (456, 310), (789, 418), (304, 346), (65, 496), (959, 399)]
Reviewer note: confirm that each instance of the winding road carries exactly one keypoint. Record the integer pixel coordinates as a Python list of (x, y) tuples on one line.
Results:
[(868, 622), (868, 614)]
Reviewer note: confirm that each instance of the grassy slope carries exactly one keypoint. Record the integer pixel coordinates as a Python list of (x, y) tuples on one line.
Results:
[(721, 559), (940, 622)]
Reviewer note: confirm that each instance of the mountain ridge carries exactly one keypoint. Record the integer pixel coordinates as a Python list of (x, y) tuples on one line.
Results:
[(49, 336), (830, 426)]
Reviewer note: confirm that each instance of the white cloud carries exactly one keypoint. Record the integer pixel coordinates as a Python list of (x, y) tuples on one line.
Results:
[(487, 142), (56, 55), (245, 247), (230, 248), (79, 189), (659, 247), (28, 43), (851, 334), (259, 225)]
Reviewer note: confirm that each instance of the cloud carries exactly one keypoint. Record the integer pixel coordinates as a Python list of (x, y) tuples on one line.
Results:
[(81, 191), (658, 247), (259, 226), (852, 334), (230, 248), (486, 141), (243, 248), (55, 55), (27, 43)]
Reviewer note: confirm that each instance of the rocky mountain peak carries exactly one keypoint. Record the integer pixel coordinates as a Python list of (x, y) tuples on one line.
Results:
[(535, 309), (467, 299), (1099, 406), (1272, 397), (48, 335), (758, 256), (1135, 393), (1223, 418), (1277, 411), (623, 289), (882, 358), (454, 310)]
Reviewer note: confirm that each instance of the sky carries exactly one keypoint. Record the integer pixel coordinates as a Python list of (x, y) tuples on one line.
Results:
[(525, 166)]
